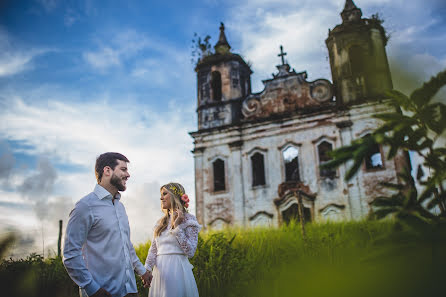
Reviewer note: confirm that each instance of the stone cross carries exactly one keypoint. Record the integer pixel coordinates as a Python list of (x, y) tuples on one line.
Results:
[(281, 55)]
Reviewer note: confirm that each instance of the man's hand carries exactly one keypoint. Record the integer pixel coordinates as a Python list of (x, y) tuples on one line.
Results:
[(101, 293), (146, 279)]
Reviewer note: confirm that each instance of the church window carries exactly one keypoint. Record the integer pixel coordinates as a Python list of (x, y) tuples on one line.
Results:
[(243, 85), (206, 91), (258, 169), (216, 85), (234, 83), (373, 159), (357, 60), (219, 175), (324, 148), (290, 157), (234, 77)]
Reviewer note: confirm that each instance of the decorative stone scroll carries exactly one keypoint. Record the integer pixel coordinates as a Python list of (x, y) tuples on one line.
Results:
[(286, 94), (321, 90)]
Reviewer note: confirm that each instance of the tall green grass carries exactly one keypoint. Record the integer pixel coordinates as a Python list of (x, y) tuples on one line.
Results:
[(350, 259), (366, 258), (36, 277), (265, 261)]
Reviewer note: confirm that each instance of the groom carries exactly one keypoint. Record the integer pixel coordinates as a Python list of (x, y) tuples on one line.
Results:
[(98, 254)]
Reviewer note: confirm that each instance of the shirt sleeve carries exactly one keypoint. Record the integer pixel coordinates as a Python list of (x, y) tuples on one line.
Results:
[(137, 265), (151, 255), (79, 224), (187, 235)]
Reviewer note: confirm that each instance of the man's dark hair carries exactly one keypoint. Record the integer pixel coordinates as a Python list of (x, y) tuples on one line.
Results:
[(107, 159)]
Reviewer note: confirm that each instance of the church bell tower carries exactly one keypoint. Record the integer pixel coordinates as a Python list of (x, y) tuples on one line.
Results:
[(358, 58), (223, 79)]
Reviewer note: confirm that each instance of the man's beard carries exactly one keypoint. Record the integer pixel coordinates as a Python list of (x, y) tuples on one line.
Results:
[(117, 182)]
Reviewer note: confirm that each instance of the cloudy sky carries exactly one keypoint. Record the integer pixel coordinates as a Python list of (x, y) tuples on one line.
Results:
[(81, 77)]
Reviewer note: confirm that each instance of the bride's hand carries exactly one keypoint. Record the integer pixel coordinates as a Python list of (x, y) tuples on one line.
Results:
[(178, 217)]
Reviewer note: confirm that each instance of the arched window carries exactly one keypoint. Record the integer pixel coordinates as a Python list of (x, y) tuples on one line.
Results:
[(219, 175), (216, 85), (290, 158), (373, 159), (258, 169), (323, 150), (357, 60)]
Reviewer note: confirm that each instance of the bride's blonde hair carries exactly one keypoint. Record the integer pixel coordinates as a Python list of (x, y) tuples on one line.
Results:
[(175, 190)]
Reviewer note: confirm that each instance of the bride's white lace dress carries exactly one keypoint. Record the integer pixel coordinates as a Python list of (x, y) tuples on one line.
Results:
[(168, 260)]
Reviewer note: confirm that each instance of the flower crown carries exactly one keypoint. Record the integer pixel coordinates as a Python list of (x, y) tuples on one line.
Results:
[(179, 193), (185, 199), (175, 190)]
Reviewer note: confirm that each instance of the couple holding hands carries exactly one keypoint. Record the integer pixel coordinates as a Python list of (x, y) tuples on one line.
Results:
[(99, 256)]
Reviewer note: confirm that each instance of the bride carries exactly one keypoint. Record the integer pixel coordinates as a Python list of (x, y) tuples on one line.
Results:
[(174, 240)]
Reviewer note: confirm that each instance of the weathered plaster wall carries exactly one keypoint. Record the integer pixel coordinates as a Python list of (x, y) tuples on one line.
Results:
[(243, 204)]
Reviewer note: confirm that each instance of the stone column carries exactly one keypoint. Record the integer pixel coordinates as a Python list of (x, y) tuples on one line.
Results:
[(352, 186), (238, 183), (199, 189)]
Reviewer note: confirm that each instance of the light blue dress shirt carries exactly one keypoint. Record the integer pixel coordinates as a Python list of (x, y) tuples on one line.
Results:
[(97, 250)]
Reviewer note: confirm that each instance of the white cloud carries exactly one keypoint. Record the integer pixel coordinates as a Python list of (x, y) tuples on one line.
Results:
[(7, 161), (103, 58), (143, 209), (110, 53), (142, 58), (164, 71), (14, 60), (49, 5), (71, 17), (301, 27), (12, 63), (300, 30), (87, 129), (157, 145)]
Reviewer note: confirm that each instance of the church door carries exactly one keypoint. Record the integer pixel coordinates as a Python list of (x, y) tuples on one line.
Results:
[(292, 213)]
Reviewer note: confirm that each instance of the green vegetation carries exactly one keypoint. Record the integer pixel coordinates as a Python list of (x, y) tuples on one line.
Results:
[(415, 124), (367, 258), (335, 259), (405, 256), (36, 277)]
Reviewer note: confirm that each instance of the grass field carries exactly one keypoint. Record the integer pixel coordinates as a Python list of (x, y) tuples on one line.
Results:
[(366, 258)]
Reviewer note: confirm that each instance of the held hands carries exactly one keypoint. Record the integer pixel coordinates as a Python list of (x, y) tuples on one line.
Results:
[(146, 279), (176, 218)]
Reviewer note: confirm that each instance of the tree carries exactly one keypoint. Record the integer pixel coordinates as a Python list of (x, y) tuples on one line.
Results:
[(415, 124), (200, 48)]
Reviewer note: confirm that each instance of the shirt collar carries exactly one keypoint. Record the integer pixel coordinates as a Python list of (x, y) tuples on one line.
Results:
[(102, 193)]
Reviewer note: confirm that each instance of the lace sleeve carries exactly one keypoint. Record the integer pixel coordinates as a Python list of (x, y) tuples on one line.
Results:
[(187, 235), (151, 256), (153, 251)]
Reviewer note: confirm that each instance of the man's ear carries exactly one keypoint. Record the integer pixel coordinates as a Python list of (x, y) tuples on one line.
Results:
[(107, 171)]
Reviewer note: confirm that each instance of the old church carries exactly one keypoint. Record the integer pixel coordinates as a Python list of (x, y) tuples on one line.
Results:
[(258, 155)]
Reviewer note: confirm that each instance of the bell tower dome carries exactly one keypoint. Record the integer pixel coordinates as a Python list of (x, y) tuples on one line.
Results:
[(223, 80), (358, 58)]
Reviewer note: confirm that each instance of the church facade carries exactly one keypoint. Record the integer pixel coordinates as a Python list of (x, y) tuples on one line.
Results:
[(258, 155)]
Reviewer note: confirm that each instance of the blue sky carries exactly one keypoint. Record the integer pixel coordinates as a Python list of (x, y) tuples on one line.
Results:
[(78, 78)]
